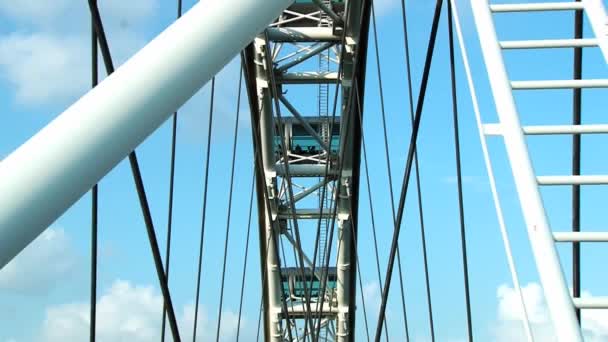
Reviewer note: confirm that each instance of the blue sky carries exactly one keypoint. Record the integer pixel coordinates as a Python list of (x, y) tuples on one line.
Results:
[(44, 66)]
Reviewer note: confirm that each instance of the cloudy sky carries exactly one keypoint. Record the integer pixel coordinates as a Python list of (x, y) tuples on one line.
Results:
[(44, 292)]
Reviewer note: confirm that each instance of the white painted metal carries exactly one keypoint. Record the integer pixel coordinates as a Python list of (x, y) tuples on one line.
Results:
[(559, 84), (566, 129), (307, 77), (495, 129), (559, 302), (580, 236), (598, 18), (591, 302), (572, 180), (541, 6), (306, 213), (492, 180), (302, 57), (343, 273), (47, 174), (302, 34), (305, 170), (300, 309), (274, 314), (548, 43)]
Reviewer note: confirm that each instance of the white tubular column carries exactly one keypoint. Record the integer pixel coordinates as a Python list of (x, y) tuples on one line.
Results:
[(51, 171), (345, 244), (273, 284), (559, 303)]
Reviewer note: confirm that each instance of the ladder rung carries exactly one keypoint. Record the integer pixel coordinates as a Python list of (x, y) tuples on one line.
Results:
[(591, 302), (544, 6), (312, 77), (566, 129), (580, 236), (572, 180), (548, 43), (559, 84), (305, 213)]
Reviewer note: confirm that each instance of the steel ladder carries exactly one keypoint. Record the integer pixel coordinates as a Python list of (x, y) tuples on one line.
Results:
[(560, 303)]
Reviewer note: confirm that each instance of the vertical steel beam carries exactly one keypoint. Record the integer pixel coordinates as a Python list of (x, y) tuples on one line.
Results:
[(272, 291)]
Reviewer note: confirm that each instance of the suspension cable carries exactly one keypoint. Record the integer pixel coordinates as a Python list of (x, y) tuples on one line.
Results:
[(463, 241), (408, 166), (238, 323), (204, 210), (576, 160), (390, 184), (94, 204), (373, 228), (488, 163), (139, 185), (170, 210), (230, 192), (417, 175)]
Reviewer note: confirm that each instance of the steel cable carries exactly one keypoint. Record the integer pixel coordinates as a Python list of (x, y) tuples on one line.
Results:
[(94, 203), (204, 210), (463, 242), (139, 185), (171, 190), (408, 166), (230, 192), (238, 323)]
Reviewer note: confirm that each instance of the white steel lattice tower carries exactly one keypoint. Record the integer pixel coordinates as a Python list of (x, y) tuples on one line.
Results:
[(316, 151)]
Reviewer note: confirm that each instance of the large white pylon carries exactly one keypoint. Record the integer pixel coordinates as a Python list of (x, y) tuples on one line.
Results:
[(46, 175)]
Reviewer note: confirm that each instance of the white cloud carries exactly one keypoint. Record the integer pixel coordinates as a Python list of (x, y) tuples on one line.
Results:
[(44, 67), (128, 312), (382, 7), (509, 323), (371, 294), (46, 56), (30, 10), (49, 259)]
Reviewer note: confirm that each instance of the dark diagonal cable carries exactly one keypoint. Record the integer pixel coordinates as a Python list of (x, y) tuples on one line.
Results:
[(139, 184), (230, 192), (390, 186), (576, 160), (204, 210), (94, 204), (417, 172), (408, 166), (463, 239), (427, 281), (170, 210), (238, 323)]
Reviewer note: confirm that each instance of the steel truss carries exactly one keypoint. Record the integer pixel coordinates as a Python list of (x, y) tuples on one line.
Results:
[(336, 33)]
